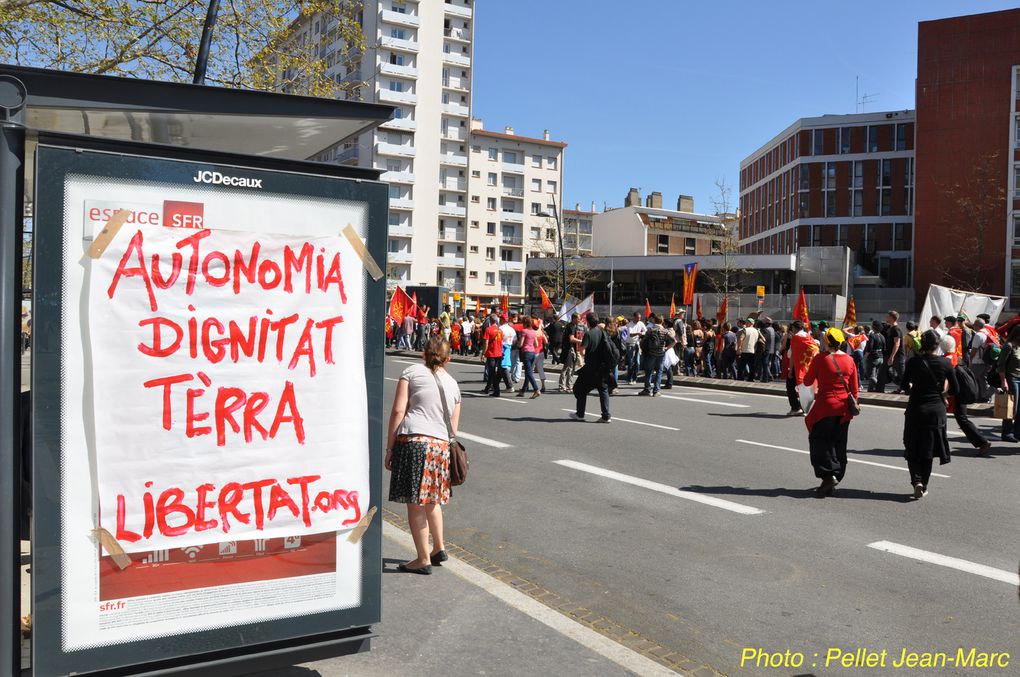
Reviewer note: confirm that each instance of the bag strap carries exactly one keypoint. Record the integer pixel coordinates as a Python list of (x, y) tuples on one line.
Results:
[(446, 409), (839, 372)]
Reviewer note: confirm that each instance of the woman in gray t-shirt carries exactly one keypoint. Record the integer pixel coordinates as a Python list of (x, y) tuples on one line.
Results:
[(418, 451)]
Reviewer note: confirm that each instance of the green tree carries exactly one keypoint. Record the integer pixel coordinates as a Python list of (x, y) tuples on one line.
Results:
[(257, 44)]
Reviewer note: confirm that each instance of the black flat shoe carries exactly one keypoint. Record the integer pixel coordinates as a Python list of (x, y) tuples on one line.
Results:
[(438, 559), (424, 571)]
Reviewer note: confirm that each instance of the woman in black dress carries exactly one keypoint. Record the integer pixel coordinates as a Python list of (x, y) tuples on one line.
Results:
[(927, 378)]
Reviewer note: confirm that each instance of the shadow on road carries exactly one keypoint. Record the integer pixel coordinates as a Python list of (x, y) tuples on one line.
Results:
[(533, 419), (801, 493), (292, 671), (750, 415)]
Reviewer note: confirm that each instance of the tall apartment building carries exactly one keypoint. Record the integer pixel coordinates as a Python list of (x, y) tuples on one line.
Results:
[(516, 185), (577, 231), (419, 59), (968, 154), (835, 180)]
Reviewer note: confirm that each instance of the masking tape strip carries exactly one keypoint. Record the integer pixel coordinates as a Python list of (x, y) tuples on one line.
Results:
[(370, 265), (109, 231), (359, 531), (111, 546)]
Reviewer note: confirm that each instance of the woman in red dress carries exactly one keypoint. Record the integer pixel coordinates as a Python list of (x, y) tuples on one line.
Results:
[(828, 422)]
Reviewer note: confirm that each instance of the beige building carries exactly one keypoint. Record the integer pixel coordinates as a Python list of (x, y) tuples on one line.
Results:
[(419, 59), (515, 188), (649, 229), (577, 231)]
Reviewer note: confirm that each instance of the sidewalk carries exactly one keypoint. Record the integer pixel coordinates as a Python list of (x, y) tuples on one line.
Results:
[(774, 388), (462, 621)]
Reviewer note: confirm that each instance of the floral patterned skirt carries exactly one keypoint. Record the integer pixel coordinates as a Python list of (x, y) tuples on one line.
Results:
[(421, 470)]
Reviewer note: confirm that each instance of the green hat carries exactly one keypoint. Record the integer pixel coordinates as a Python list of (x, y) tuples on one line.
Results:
[(962, 317)]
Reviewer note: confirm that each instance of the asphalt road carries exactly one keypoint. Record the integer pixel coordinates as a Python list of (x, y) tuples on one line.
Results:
[(708, 539)]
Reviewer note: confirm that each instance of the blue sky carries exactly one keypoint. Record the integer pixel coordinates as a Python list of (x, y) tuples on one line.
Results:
[(671, 95)]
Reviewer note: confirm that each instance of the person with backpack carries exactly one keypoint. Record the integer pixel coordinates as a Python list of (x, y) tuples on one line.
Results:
[(966, 393), (600, 354), (926, 379), (875, 355), (654, 345), (1008, 368)]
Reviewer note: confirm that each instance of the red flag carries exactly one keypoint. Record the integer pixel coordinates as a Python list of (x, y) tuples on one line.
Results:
[(800, 311), (648, 309), (804, 350), (400, 304), (478, 306), (724, 310), (850, 319), (690, 273), (672, 306), (546, 303), (504, 304), (697, 312)]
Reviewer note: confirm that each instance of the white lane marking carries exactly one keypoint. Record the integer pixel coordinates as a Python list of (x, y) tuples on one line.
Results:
[(626, 658), (951, 562), (851, 460), (695, 399), (663, 488), (712, 391), (627, 420), (483, 440), (408, 361), (501, 398)]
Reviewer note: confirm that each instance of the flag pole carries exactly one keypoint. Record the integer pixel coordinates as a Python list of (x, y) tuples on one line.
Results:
[(612, 266)]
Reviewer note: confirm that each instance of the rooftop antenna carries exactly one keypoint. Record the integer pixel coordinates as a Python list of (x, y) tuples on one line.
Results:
[(861, 99)]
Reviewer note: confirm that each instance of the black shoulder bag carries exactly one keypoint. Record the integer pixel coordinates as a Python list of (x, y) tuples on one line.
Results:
[(458, 454)]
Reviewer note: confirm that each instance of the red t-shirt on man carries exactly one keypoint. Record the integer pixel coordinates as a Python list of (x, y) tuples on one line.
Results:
[(495, 338)]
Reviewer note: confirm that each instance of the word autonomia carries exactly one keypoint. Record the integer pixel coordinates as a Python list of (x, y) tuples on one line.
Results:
[(223, 180), (868, 658), (222, 269), (175, 512)]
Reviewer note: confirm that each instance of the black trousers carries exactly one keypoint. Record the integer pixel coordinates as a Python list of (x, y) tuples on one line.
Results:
[(827, 442), (587, 379), (920, 470), (494, 365), (974, 435), (791, 394)]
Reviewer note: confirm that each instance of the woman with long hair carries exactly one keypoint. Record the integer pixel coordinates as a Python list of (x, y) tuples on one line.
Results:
[(927, 378), (529, 350), (698, 336), (828, 422), (426, 407)]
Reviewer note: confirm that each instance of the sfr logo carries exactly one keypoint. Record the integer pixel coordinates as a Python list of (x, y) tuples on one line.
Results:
[(183, 214)]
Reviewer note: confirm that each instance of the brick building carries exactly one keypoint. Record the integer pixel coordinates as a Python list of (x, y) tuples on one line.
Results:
[(968, 154), (835, 180)]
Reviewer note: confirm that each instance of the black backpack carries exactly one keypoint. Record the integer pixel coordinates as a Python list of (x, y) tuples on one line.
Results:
[(967, 392), (655, 342), (609, 351)]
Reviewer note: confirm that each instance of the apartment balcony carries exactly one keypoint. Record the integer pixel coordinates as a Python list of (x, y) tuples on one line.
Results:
[(452, 283), (457, 34), (513, 167), (512, 265), (399, 150), (450, 261), (452, 210), (399, 44), (389, 96), (457, 109), (509, 289), (512, 217), (459, 84), (512, 240), (454, 134), (452, 183), (402, 230), (397, 177), (401, 203), (513, 192), (400, 71), (399, 257), (400, 19), (454, 159), (403, 124), (451, 235), (457, 10), (457, 59)]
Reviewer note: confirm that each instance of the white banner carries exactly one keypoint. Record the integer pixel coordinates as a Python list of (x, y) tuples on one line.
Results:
[(572, 306), (943, 301)]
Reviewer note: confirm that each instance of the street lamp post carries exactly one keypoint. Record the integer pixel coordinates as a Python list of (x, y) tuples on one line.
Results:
[(563, 258)]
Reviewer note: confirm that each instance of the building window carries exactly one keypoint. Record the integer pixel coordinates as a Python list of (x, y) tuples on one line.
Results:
[(872, 139), (841, 231), (551, 162), (536, 185), (716, 246), (550, 233), (844, 140), (394, 219), (475, 174), (490, 179), (662, 244), (474, 199), (490, 204), (493, 154), (1016, 132), (506, 255), (476, 149), (856, 188), (536, 161), (830, 189), (474, 224), (490, 228), (901, 136), (536, 208), (885, 173), (490, 253), (805, 177), (510, 157), (689, 246), (397, 33), (473, 274), (1016, 231), (818, 142), (490, 278), (550, 186), (1016, 180), (885, 201)]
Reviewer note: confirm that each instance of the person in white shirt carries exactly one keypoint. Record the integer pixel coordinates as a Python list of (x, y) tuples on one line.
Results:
[(745, 347), (977, 362), (635, 331), (509, 336)]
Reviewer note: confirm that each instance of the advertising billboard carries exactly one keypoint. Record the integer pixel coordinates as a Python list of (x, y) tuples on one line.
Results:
[(207, 399)]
